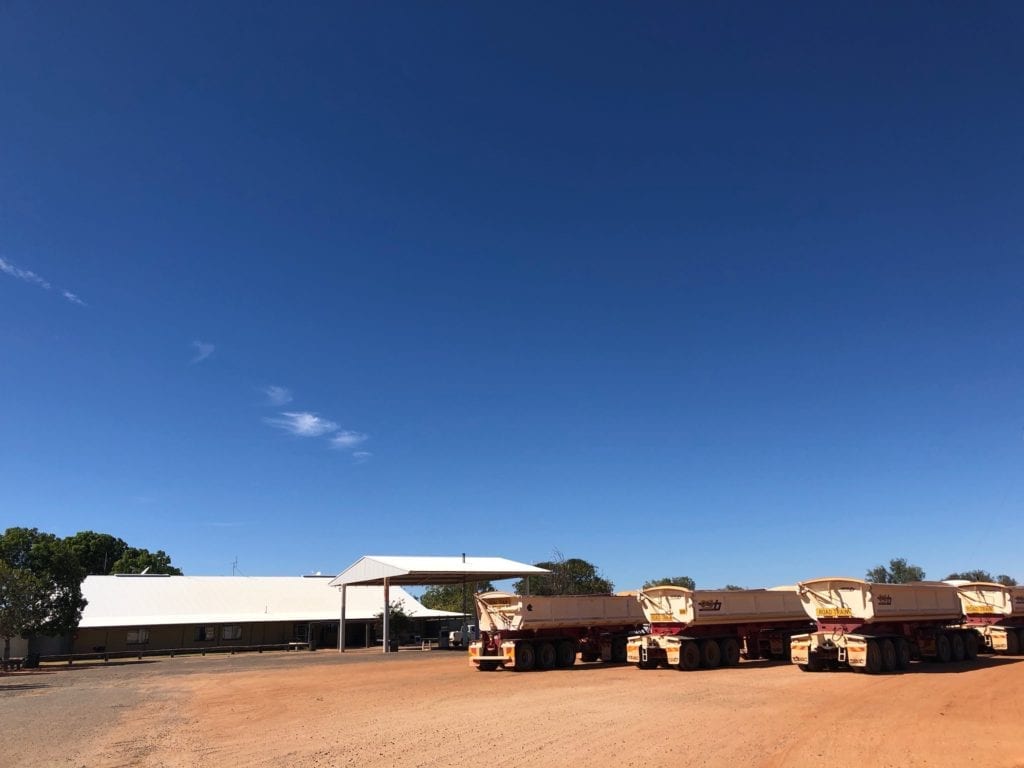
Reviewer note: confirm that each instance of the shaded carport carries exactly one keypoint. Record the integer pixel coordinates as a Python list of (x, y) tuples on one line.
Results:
[(420, 571)]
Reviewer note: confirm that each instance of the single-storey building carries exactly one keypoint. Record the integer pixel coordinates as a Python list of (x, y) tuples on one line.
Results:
[(158, 612)]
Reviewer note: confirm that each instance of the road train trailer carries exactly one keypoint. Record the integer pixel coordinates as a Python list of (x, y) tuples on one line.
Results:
[(527, 632), (710, 628), (995, 612), (876, 628)]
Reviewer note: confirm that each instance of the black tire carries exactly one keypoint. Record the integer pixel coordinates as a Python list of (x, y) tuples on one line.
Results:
[(649, 664), (526, 657), (874, 658), (730, 652), (812, 665), (546, 656), (689, 656), (958, 652), (943, 648), (619, 650), (889, 659), (589, 656), (710, 653), (1012, 643), (971, 644), (487, 666), (902, 654), (565, 653)]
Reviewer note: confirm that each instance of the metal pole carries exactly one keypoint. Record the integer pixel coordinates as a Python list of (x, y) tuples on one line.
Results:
[(341, 622), (387, 610)]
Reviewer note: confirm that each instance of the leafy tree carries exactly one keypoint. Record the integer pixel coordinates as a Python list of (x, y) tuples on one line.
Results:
[(980, 575), (97, 552), (399, 622), (52, 563), (734, 588), (898, 572), (136, 560), (571, 576), (22, 600), (672, 581), (448, 597)]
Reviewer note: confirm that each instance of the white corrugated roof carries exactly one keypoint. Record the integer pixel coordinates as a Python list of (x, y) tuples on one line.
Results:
[(415, 570), (125, 601)]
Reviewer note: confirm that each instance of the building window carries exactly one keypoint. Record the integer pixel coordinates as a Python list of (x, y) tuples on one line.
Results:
[(205, 634), (301, 633), (137, 636), (231, 632)]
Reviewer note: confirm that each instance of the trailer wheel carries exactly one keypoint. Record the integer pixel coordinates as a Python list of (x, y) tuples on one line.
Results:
[(689, 656), (589, 656), (971, 645), (546, 656), (730, 652), (1013, 643), (889, 659), (619, 650), (566, 654), (956, 646), (943, 650), (874, 658), (902, 654), (710, 653), (812, 665), (526, 657)]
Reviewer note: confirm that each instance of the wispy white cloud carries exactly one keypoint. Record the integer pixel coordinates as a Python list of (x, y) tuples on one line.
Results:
[(361, 457), (30, 277), (346, 438), (26, 275), (203, 350), (302, 423), (72, 298), (278, 395)]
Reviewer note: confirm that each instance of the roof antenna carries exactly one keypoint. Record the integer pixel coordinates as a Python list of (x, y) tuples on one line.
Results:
[(234, 565), (463, 557)]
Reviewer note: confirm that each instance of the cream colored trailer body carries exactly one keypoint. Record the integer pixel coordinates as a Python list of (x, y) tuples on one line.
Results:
[(526, 632), (708, 607), (995, 612), (710, 627), (879, 627)]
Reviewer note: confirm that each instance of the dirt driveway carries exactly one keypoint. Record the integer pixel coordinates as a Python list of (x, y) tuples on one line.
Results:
[(430, 709)]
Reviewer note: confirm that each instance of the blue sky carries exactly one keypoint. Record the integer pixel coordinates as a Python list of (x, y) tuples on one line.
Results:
[(722, 290)]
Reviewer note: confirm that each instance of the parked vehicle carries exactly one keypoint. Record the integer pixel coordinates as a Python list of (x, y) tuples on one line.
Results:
[(526, 632), (715, 627)]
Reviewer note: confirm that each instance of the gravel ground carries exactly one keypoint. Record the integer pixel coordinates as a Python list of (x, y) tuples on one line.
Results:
[(431, 709)]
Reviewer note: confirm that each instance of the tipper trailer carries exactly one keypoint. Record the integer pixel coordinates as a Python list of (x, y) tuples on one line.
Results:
[(526, 632), (876, 628), (995, 612), (709, 628)]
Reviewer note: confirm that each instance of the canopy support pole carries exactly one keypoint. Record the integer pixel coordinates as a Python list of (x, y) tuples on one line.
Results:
[(341, 622), (387, 611)]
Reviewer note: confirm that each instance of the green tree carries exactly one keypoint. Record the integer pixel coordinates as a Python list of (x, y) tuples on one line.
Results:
[(52, 562), (449, 597), (898, 572), (1006, 581), (672, 581), (399, 622), (97, 552), (22, 601), (734, 588), (136, 560), (571, 576)]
